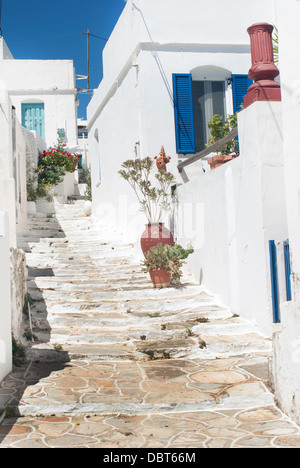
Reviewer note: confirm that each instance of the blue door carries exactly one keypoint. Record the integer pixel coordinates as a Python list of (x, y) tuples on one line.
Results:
[(33, 117)]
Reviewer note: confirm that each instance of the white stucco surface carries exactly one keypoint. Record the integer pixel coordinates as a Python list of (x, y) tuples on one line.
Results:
[(235, 210), (132, 113), (51, 82), (5, 53), (286, 345), (5, 310)]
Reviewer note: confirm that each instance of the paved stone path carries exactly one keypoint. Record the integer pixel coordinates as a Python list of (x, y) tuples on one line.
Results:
[(119, 364)]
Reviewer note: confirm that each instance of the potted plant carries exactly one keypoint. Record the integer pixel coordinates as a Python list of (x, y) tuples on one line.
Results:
[(154, 200), (218, 130), (31, 196), (164, 263)]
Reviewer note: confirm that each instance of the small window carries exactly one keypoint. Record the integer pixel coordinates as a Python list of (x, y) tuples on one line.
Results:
[(80, 163)]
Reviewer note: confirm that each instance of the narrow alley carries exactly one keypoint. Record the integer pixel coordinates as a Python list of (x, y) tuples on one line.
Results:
[(119, 364)]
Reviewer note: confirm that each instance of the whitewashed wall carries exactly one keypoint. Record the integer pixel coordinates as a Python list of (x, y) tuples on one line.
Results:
[(51, 82), (286, 343), (5, 310), (7, 186), (5, 53), (231, 213), (134, 102)]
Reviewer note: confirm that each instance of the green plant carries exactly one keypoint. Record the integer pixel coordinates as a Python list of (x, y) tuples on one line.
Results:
[(219, 128), (88, 192), (18, 352), (153, 199), (32, 189), (29, 336), (57, 347), (10, 411), (155, 315), (275, 45), (202, 344), (27, 301), (170, 258)]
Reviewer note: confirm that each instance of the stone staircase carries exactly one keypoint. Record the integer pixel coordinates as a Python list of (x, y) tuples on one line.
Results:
[(92, 299), (93, 306)]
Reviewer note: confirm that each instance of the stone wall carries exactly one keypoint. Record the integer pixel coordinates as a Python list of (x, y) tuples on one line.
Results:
[(18, 273)]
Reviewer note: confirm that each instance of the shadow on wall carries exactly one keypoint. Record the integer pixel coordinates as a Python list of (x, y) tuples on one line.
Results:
[(33, 365)]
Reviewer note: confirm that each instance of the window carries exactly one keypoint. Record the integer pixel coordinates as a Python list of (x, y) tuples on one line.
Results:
[(208, 100), (33, 117), (80, 161), (82, 132), (195, 103)]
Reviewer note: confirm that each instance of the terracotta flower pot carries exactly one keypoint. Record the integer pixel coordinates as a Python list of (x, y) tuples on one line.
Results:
[(155, 233), (160, 278), (220, 159), (216, 161)]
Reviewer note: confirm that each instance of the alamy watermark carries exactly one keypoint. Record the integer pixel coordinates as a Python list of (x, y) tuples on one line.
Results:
[(185, 220)]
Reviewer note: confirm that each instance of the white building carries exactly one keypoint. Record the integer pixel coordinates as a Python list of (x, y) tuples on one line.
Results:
[(5, 311), (168, 67), (37, 98), (44, 95), (243, 217), (286, 341), (83, 145)]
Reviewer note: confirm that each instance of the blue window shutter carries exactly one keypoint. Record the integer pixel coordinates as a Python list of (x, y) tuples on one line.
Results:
[(184, 113), (33, 117), (274, 281), (240, 85), (287, 262)]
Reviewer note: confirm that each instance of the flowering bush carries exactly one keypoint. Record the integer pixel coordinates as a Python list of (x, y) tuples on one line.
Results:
[(53, 164), (59, 157)]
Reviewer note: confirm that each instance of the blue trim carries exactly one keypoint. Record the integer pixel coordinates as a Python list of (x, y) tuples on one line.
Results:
[(287, 264), (274, 281), (240, 86), (184, 114), (61, 132), (33, 117)]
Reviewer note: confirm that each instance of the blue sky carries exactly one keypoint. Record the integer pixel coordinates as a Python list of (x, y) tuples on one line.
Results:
[(40, 29)]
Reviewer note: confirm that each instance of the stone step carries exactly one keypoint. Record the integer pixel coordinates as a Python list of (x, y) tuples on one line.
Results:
[(82, 347), (148, 327), (143, 301), (151, 335), (109, 343), (135, 388), (121, 321), (195, 308), (83, 282)]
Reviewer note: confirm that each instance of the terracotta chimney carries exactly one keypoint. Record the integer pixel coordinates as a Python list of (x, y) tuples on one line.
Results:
[(263, 70)]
